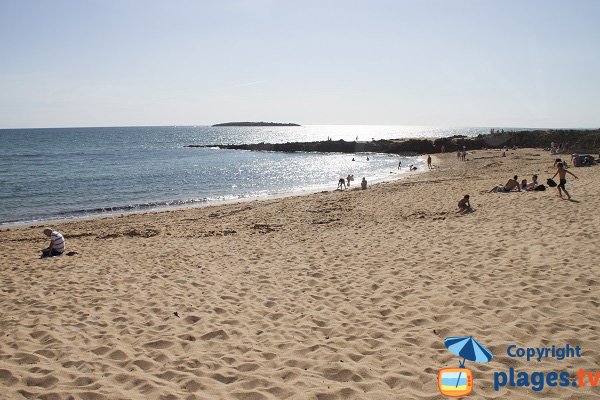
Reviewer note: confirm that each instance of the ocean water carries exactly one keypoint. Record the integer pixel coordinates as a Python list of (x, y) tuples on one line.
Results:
[(60, 173)]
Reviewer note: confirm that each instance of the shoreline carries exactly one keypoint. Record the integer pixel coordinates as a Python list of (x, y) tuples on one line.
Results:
[(202, 204)]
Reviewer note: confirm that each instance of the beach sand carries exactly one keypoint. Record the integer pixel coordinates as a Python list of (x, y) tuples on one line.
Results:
[(335, 295)]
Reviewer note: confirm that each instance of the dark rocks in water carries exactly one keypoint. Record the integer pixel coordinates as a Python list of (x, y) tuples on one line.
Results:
[(256, 124), (577, 141), (339, 146)]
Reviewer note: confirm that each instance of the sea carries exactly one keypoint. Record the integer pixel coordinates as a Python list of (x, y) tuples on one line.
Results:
[(65, 173)]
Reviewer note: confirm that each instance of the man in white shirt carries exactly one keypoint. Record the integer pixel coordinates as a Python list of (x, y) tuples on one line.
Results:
[(57, 243)]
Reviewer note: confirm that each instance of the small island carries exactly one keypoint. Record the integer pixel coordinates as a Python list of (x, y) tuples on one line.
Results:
[(256, 124)]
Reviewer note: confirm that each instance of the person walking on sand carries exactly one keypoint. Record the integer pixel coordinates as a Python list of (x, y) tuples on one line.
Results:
[(562, 174), (428, 161), (57, 243)]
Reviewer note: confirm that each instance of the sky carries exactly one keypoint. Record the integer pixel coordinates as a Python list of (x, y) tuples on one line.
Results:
[(508, 63)]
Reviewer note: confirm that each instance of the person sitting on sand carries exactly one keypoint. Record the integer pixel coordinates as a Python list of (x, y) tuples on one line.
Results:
[(524, 184), (342, 184), (533, 184), (57, 243), (562, 174), (363, 183), (464, 205), (510, 186)]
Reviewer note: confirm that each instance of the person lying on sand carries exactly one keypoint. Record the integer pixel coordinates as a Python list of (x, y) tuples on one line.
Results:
[(57, 243), (510, 186)]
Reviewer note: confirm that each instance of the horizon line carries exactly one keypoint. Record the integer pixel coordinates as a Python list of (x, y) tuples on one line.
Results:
[(301, 125)]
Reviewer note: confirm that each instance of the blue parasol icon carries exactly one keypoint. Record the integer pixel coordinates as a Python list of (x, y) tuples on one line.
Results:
[(467, 348)]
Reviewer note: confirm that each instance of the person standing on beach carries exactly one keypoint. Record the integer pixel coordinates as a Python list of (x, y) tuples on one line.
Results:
[(363, 183), (399, 164), (562, 174), (428, 161), (57, 243)]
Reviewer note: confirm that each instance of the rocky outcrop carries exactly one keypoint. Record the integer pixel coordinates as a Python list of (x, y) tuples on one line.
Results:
[(575, 140)]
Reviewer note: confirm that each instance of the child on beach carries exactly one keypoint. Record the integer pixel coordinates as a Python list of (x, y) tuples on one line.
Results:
[(524, 184), (464, 205), (562, 174), (533, 184)]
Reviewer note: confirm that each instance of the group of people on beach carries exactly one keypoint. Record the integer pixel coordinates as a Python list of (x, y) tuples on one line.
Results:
[(343, 185), (412, 167), (558, 149), (513, 184)]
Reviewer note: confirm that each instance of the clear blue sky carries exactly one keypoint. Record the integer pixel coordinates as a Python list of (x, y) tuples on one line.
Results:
[(525, 63)]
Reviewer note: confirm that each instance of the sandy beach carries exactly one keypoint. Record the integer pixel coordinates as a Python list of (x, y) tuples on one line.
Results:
[(335, 295)]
